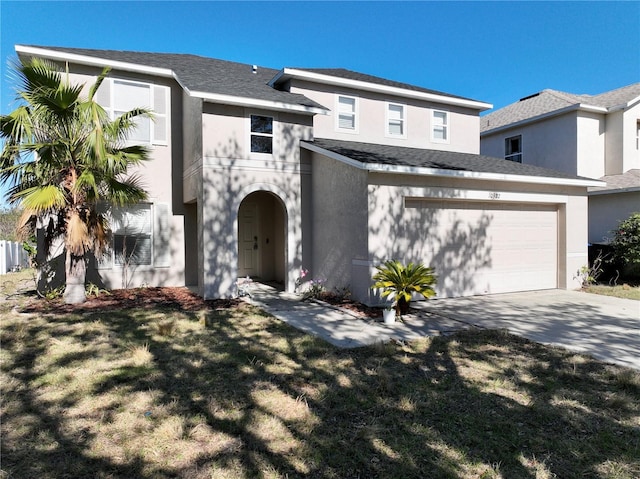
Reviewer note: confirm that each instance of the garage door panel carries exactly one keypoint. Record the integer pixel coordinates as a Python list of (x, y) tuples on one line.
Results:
[(481, 248)]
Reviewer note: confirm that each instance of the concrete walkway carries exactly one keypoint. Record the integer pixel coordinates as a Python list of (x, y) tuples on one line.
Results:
[(606, 328)]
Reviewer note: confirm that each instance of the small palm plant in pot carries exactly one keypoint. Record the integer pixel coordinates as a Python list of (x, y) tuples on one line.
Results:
[(400, 282)]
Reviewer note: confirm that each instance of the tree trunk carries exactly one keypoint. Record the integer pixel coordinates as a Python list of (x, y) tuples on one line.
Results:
[(403, 306), (76, 270)]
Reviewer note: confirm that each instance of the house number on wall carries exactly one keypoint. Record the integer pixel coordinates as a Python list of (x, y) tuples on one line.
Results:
[(494, 195)]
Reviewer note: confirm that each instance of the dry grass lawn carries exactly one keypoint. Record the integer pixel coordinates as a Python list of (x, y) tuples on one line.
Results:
[(234, 393)]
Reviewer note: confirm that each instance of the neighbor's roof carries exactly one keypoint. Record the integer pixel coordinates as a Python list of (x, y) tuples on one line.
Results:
[(195, 73), (550, 101), (439, 163), (627, 182)]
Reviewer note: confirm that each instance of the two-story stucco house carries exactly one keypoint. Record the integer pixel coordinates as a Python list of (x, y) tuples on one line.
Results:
[(597, 136), (260, 172)]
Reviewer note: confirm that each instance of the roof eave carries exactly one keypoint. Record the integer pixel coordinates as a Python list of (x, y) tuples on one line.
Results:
[(374, 87), (256, 103), (95, 61), (544, 116), (626, 105), (444, 173), (614, 191)]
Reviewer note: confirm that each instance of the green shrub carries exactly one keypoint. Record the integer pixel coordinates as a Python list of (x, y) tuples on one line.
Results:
[(626, 244), (400, 282)]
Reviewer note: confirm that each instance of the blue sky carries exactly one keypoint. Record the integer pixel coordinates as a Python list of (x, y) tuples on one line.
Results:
[(496, 52)]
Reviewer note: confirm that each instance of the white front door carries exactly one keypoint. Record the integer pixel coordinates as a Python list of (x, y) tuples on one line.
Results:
[(248, 239)]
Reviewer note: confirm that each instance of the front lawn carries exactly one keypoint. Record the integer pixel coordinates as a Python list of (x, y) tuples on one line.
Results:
[(625, 291), (221, 391)]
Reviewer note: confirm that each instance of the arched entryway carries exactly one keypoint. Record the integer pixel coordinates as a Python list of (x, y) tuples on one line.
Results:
[(262, 227)]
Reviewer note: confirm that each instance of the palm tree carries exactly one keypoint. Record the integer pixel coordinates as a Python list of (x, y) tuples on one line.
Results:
[(63, 157)]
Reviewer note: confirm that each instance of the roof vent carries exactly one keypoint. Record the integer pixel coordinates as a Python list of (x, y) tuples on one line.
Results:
[(530, 96), (254, 69)]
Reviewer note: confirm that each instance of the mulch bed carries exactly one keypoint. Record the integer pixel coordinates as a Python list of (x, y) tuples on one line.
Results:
[(181, 299), (175, 298), (355, 307)]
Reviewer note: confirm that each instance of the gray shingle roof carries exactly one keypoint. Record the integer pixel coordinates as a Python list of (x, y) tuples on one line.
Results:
[(421, 158), (351, 75), (203, 74), (548, 101), (629, 180)]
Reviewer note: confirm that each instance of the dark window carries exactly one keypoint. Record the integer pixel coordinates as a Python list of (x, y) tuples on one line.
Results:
[(133, 250), (132, 235), (261, 134), (513, 149)]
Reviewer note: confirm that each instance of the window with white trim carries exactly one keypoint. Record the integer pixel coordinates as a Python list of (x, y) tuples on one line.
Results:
[(119, 96), (440, 126), (396, 122), (513, 148), (140, 236), (261, 136), (347, 117)]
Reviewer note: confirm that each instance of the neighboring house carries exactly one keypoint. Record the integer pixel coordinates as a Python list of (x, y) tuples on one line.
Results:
[(262, 173), (597, 136)]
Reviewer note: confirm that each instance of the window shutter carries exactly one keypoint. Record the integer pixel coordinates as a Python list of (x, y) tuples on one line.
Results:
[(160, 109), (103, 95), (161, 236)]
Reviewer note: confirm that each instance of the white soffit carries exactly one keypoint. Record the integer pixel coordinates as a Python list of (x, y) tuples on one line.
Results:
[(413, 170), (375, 87)]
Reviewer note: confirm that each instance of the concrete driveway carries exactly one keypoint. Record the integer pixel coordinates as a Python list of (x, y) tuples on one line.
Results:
[(606, 328)]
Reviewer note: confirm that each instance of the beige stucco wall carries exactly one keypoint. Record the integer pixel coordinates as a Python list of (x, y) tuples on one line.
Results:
[(549, 144), (614, 143), (340, 223), (631, 148), (607, 210), (591, 144), (464, 123), (229, 174)]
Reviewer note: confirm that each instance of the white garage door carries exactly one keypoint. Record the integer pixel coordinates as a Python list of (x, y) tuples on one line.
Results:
[(485, 248)]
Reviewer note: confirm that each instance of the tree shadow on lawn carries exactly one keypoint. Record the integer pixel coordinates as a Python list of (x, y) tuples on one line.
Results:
[(236, 393)]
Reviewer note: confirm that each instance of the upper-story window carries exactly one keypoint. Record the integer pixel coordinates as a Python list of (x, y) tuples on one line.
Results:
[(396, 122), (440, 126), (261, 134), (119, 96), (513, 148), (347, 117)]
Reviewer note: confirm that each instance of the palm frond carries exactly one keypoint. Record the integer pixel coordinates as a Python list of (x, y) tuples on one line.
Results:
[(96, 86), (42, 199)]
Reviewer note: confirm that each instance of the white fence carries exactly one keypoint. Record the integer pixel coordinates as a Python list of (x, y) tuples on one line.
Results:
[(12, 256)]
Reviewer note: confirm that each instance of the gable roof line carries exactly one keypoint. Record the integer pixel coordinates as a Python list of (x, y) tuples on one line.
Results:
[(166, 73), (544, 116), (93, 61), (378, 88), (441, 172)]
